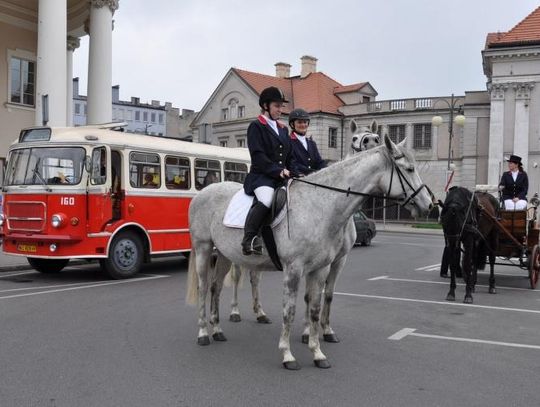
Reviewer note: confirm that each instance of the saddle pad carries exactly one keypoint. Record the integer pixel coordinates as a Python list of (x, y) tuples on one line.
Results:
[(238, 208)]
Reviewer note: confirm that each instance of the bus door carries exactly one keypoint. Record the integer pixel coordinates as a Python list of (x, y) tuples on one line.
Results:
[(117, 193), (99, 190)]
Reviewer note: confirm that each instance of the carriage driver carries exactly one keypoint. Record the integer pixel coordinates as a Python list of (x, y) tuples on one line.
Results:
[(271, 164), (306, 153), (514, 185)]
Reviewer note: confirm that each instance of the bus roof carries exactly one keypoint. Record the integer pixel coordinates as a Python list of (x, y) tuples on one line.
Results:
[(97, 136)]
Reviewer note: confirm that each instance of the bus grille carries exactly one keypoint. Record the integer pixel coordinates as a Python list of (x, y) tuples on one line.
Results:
[(25, 216)]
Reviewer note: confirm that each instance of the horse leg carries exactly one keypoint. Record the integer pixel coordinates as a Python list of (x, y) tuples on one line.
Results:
[(221, 269), (291, 282), (202, 264), (468, 245), (314, 286), (453, 251), (492, 289), (255, 279), (335, 269), (236, 275)]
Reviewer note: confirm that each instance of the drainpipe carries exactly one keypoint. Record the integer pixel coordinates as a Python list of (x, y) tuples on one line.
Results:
[(342, 125)]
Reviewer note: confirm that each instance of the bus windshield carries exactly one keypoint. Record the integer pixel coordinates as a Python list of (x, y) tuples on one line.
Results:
[(45, 166)]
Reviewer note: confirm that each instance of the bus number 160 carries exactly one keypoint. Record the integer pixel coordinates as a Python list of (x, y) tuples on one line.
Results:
[(67, 200)]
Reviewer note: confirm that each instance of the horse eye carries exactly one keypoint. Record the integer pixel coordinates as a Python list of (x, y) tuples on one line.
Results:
[(410, 169), (365, 141)]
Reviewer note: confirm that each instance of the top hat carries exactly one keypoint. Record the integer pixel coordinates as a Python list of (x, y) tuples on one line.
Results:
[(514, 159)]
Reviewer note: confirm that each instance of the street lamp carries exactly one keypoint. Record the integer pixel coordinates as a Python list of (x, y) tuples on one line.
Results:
[(146, 128), (458, 120)]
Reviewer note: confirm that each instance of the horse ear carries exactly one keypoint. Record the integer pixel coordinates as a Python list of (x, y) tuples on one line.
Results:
[(353, 127), (374, 126), (403, 142), (390, 145)]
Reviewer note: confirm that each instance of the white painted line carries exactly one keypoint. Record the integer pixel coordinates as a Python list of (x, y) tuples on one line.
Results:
[(411, 332), (428, 267), (401, 334), (22, 273), (408, 280), (43, 287), (134, 280), (447, 303)]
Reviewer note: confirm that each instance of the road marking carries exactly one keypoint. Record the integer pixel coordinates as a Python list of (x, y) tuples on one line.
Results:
[(447, 303), (134, 280), (2, 275), (428, 267), (408, 280), (411, 332)]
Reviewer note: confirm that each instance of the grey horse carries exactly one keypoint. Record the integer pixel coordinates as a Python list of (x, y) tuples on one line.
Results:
[(386, 169)]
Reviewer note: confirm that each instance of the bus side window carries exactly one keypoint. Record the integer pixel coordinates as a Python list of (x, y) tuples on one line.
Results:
[(177, 172), (144, 170), (235, 172), (206, 172), (99, 166)]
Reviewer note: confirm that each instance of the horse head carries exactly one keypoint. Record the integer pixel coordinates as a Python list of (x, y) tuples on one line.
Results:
[(364, 138), (403, 181), (457, 210)]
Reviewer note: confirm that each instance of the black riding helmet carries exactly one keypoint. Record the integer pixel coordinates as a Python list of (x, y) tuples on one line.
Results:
[(271, 94), (297, 114)]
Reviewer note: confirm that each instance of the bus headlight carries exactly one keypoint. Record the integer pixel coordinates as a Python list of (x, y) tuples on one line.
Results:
[(2, 218), (57, 220)]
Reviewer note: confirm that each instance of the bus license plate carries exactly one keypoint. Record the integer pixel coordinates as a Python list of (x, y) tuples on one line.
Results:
[(29, 248)]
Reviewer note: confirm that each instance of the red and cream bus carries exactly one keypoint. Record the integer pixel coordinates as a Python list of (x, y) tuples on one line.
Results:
[(98, 193)]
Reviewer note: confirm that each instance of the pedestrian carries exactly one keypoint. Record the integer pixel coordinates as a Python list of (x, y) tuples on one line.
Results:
[(306, 153)]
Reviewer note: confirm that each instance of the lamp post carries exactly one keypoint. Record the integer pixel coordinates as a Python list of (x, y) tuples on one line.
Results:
[(146, 128)]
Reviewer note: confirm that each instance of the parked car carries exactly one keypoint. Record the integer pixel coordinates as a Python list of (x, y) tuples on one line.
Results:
[(365, 229)]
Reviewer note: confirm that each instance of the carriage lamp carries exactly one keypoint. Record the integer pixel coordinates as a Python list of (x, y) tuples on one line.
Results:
[(57, 220), (535, 200)]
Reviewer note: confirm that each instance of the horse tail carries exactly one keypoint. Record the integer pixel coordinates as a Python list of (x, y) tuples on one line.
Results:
[(234, 276), (481, 255), (192, 291)]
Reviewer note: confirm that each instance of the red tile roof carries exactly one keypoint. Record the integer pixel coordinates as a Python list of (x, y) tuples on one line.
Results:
[(526, 32), (314, 93)]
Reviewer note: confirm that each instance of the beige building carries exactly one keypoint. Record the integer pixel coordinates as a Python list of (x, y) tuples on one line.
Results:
[(37, 41)]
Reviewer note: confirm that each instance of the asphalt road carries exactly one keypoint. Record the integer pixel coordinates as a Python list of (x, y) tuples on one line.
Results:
[(78, 339)]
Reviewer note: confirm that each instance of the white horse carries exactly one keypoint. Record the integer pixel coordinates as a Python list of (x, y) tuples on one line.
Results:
[(364, 138), (318, 217)]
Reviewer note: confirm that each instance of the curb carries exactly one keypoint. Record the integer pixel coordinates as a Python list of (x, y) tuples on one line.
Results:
[(413, 232)]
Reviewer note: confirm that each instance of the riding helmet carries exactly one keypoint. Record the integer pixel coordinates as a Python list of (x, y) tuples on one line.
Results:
[(271, 94), (298, 114)]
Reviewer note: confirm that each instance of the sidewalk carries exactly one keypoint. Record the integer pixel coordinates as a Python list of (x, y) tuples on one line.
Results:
[(405, 228), (11, 263)]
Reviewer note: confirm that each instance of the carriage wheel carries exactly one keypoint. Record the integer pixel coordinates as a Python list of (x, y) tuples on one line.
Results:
[(534, 266)]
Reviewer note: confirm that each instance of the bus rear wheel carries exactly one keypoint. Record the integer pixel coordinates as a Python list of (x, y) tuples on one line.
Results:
[(125, 256), (47, 266)]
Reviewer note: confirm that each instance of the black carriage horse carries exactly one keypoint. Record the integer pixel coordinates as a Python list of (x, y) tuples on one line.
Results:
[(465, 219)]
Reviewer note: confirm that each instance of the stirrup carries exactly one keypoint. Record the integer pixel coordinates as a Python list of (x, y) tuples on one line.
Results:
[(255, 247)]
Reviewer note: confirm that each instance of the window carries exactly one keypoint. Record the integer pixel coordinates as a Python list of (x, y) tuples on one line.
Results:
[(240, 142), (177, 173), (145, 116), (160, 118), (206, 172), (224, 114), (129, 116), (98, 174), (396, 132), (85, 109), (153, 117), (223, 143), (2, 166), (22, 81), (365, 99), (422, 136), (332, 137), (235, 172), (144, 170), (121, 114), (137, 116), (77, 108), (241, 111), (233, 107)]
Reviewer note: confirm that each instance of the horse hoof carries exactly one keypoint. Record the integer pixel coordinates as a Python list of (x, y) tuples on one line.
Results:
[(444, 275), (263, 319), (292, 365), (468, 300), (305, 339), (450, 297), (332, 338), (235, 318), (322, 364), (219, 337), (203, 340), (492, 290)]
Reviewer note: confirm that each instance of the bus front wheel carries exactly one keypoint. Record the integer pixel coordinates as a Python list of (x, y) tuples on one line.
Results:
[(47, 266), (125, 256)]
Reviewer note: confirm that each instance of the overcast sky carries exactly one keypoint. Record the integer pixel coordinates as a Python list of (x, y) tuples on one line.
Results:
[(179, 50)]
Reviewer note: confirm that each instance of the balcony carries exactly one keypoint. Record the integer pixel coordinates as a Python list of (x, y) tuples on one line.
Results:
[(398, 105)]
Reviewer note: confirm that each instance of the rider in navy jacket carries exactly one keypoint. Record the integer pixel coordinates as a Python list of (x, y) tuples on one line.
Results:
[(514, 191), (272, 163), (306, 153)]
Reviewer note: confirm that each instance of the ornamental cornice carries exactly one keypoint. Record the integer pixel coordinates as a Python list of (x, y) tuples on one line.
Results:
[(73, 43), (112, 4), (497, 90), (523, 90)]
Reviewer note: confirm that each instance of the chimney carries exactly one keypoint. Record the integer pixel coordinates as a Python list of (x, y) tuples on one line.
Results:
[(309, 65), (75, 87), (155, 103), (116, 93), (135, 100), (283, 70)]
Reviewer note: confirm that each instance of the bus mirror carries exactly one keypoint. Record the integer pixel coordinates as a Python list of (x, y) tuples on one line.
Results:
[(88, 163)]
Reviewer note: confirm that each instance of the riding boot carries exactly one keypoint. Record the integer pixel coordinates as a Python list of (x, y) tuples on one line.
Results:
[(251, 242)]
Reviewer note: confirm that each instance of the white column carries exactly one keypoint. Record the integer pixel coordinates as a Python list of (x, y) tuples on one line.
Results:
[(521, 125), (496, 133), (51, 60), (100, 61), (72, 44)]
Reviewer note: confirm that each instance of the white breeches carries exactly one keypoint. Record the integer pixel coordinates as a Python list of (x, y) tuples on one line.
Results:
[(265, 195), (510, 205)]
